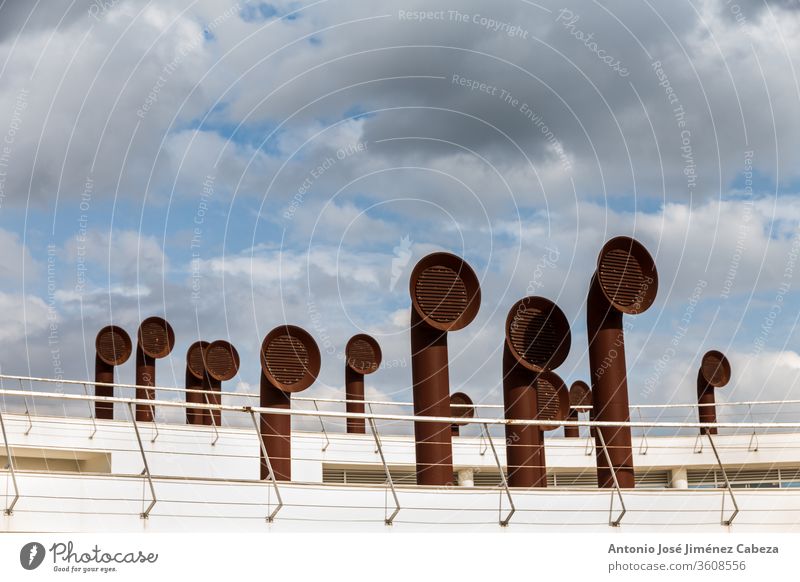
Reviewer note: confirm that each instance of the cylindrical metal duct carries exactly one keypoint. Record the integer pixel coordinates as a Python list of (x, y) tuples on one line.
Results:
[(290, 362), (579, 395), (196, 379), (552, 403), (626, 281), (445, 296), (714, 372), (113, 347), (537, 339), (461, 406), (363, 357), (155, 340), (222, 363)]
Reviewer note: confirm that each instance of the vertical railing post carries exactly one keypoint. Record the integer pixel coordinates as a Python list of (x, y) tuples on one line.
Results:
[(390, 519), (146, 513), (213, 420), (278, 507), (724, 521), (612, 522), (322, 426), (10, 466), (91, 412), (503, 480), (754, 436), (27, 412), (644, 446)]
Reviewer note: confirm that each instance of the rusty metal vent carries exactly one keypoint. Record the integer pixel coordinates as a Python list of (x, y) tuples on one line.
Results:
[(547, 401), (156, 337), (534, 336), (715, 369), (467, 411), (287, 359), (222, 360), (194, 359), (621, 277), (580, 394), (113, 345), (441, 294), (363, 354)]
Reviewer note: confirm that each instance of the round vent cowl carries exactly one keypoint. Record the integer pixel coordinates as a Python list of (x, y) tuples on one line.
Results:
[(537, 333), (580, 394), (194, 359), (221, 360), (627, 275), (445, 291), (464, 409), (113, 345), (156, 337), (363, 354), (715, 369), (290, 358), (552, 399)]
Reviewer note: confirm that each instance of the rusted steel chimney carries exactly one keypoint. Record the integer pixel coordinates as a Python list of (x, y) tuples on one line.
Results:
[(363, 357), (714, 372), (579, 395), (625, 281), (460, 406), (155, 340), (196, 379), (552, 403), (113, 347), (445, 296), (222, 363), (290, 362), (537, 339)]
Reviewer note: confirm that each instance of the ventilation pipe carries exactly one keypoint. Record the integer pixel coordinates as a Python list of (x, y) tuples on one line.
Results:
[(552, 403), (195, 380), (537, 339), (290, 362), (363, 357), (714, 372), (445, 296), (155, 340), (579, 395), (222, 363), (461, 406), (113, 347), (625, 282)]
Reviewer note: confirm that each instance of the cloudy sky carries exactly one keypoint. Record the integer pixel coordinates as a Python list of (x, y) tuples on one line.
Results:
[(234, 166)]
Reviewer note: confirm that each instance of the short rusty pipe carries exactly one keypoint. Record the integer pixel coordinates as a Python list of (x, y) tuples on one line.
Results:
[(580, 395), (363, 356), (552, 403), (196, 379), (537, 339), (445, 296), (113, 347), (625, 282), (290, 362), (714, 372), (155, 340), (222, 363), (461, 406)]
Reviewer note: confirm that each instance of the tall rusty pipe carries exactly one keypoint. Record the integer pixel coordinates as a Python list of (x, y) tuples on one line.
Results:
[(461, 406), (579, 395), (290, 362), (625, 282), (155, 340), (445, 296), (113, 347), (537, 339), (221, 363), (363, 356), (195, 380), (714, 372)]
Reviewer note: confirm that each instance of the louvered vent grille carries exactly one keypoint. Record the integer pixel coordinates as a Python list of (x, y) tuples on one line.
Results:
[(287, 359), (441, 294), (113, 346), (154, 337), (534, 336), (362, 357), (621, 277)]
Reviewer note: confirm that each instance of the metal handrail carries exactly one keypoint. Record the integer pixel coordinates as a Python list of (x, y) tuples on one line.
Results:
[(503, 480), (612, 522), (390, 519), (724, 521), (9, 465), (146, 513), (271, 516)]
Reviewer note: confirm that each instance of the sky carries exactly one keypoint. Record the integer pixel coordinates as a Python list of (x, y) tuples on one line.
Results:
[(236, 166)]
